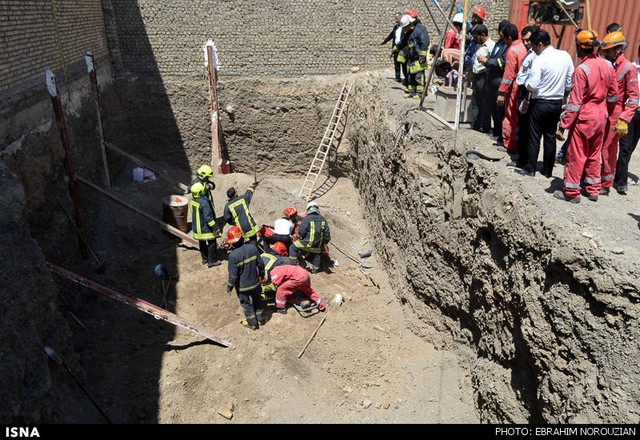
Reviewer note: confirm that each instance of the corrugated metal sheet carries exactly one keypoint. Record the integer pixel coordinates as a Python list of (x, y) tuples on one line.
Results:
[(603, 12)]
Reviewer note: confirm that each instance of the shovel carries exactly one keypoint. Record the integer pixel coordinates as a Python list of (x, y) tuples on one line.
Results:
[(55, 357), (334, 301)]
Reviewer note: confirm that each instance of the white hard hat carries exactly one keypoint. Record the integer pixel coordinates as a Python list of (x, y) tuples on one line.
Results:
[(313, 207), (406, 20), (458, 18)]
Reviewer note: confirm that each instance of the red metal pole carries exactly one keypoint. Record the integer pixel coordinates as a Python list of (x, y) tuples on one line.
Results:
[(223, 166), (96, 96), (52, 87)]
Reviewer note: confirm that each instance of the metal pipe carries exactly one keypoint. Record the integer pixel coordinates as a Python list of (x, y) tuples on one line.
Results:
[(461, 68), (88, 57), (52, 87)]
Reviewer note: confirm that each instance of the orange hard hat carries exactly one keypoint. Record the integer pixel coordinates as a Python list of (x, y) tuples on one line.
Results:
[(614, 39), (234, 234), (290, 212), (480, 12), (587, 38), (412, 13), (280, 248)]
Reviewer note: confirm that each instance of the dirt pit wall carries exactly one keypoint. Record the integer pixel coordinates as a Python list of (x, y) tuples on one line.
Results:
[(549, 321)]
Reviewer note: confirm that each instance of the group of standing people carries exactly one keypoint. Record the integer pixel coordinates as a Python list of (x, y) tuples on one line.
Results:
[(525, 91), (255, 264)]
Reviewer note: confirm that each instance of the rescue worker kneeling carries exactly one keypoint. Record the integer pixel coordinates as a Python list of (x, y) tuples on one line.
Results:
[(311, 236), (289, 279)]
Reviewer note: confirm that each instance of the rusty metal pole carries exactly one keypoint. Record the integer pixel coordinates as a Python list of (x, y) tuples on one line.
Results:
[(52, 87), (217, 162), (96, 96)]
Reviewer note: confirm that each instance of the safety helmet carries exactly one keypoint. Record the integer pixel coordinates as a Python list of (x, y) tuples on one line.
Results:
[(197, 189), (480, 12), (234, 234), (614, 39), (313, 207), (280, 248), (290, 212), (458, 18), (587, 38), (412, 13), (205, 171), (406, 20)]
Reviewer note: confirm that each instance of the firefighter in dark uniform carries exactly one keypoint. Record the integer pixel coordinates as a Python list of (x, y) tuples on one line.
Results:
[(236, 212), (204, 173), (246, 274), (203, 224), (415, 46), (312, 235)]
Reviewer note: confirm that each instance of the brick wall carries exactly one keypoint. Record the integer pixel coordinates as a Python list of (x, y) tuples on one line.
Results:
[(30, 43)]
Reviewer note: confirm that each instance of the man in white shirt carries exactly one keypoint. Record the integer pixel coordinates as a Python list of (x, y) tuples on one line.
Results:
[(484, 47), (549, 82)]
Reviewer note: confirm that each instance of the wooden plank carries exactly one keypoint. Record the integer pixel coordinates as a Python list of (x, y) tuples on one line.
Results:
[(439, 119), (167, 227), (140, 304)]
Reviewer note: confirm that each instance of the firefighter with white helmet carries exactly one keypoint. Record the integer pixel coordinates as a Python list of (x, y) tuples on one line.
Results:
[(415, 47), (312, 234)]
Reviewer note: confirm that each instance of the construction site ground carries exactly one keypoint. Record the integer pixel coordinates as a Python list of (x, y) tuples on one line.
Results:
[(371, 360)]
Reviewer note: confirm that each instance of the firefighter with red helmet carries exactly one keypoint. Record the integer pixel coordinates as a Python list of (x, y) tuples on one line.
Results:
[(613, 48), (246, 274), (594, 93)]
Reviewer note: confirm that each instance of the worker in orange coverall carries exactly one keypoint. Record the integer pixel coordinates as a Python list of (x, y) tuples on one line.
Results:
[(613, 48), (508, 90), (288, 279), (594, 93)]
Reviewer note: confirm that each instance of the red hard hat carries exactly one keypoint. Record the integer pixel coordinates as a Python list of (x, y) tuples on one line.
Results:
[(234, 234), (280, 248), (480, 12), (290, 212), (412, 13)]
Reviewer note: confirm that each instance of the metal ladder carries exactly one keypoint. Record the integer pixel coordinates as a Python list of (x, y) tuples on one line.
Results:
[(325, 145)]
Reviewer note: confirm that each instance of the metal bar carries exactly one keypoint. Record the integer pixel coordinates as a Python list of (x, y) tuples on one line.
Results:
[(217, 162), (52, 87), (175, 231), (461, 67), (587, 10), (88, 57), (140, 304), (559, 3)]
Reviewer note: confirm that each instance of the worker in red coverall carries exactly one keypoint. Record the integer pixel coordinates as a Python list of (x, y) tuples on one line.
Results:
[(508, 90), (289, 279), (594, 93), (613, 48)]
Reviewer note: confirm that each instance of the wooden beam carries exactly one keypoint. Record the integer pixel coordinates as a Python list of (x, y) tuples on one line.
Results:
[(175, 231), (142, 305)]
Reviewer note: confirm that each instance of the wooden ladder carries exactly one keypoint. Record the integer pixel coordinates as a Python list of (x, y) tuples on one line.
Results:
[(325, 145)]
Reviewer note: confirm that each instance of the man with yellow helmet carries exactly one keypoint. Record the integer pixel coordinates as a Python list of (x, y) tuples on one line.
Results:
[(203, 224), (203, 176), (594, 93), (612, 49)]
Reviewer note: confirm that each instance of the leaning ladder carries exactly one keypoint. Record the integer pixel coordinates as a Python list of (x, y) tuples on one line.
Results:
[(323, 150)]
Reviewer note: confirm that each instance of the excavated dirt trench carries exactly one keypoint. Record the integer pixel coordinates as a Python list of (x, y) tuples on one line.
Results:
[(488, 295)]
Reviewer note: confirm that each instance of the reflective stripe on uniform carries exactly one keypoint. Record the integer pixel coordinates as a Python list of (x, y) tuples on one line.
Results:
[(624, 70), (506, 81), (632, 102), (585, 68), (608, 176), (592, 180), (612, 98), (573, 108), (571, 185)]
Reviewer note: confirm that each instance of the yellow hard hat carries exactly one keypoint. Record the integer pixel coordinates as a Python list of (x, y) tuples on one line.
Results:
[(205, 171), (614, 39), (197, 189)]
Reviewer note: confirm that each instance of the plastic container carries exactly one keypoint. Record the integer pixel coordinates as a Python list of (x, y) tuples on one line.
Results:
[(138, 174)]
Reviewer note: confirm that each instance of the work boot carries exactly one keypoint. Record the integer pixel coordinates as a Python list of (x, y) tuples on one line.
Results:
[(282, 311), (409, 95), (593, 198), (560, 195), (246, 324), (604, 191), (622, 190), (204, 262), (213, 263)]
